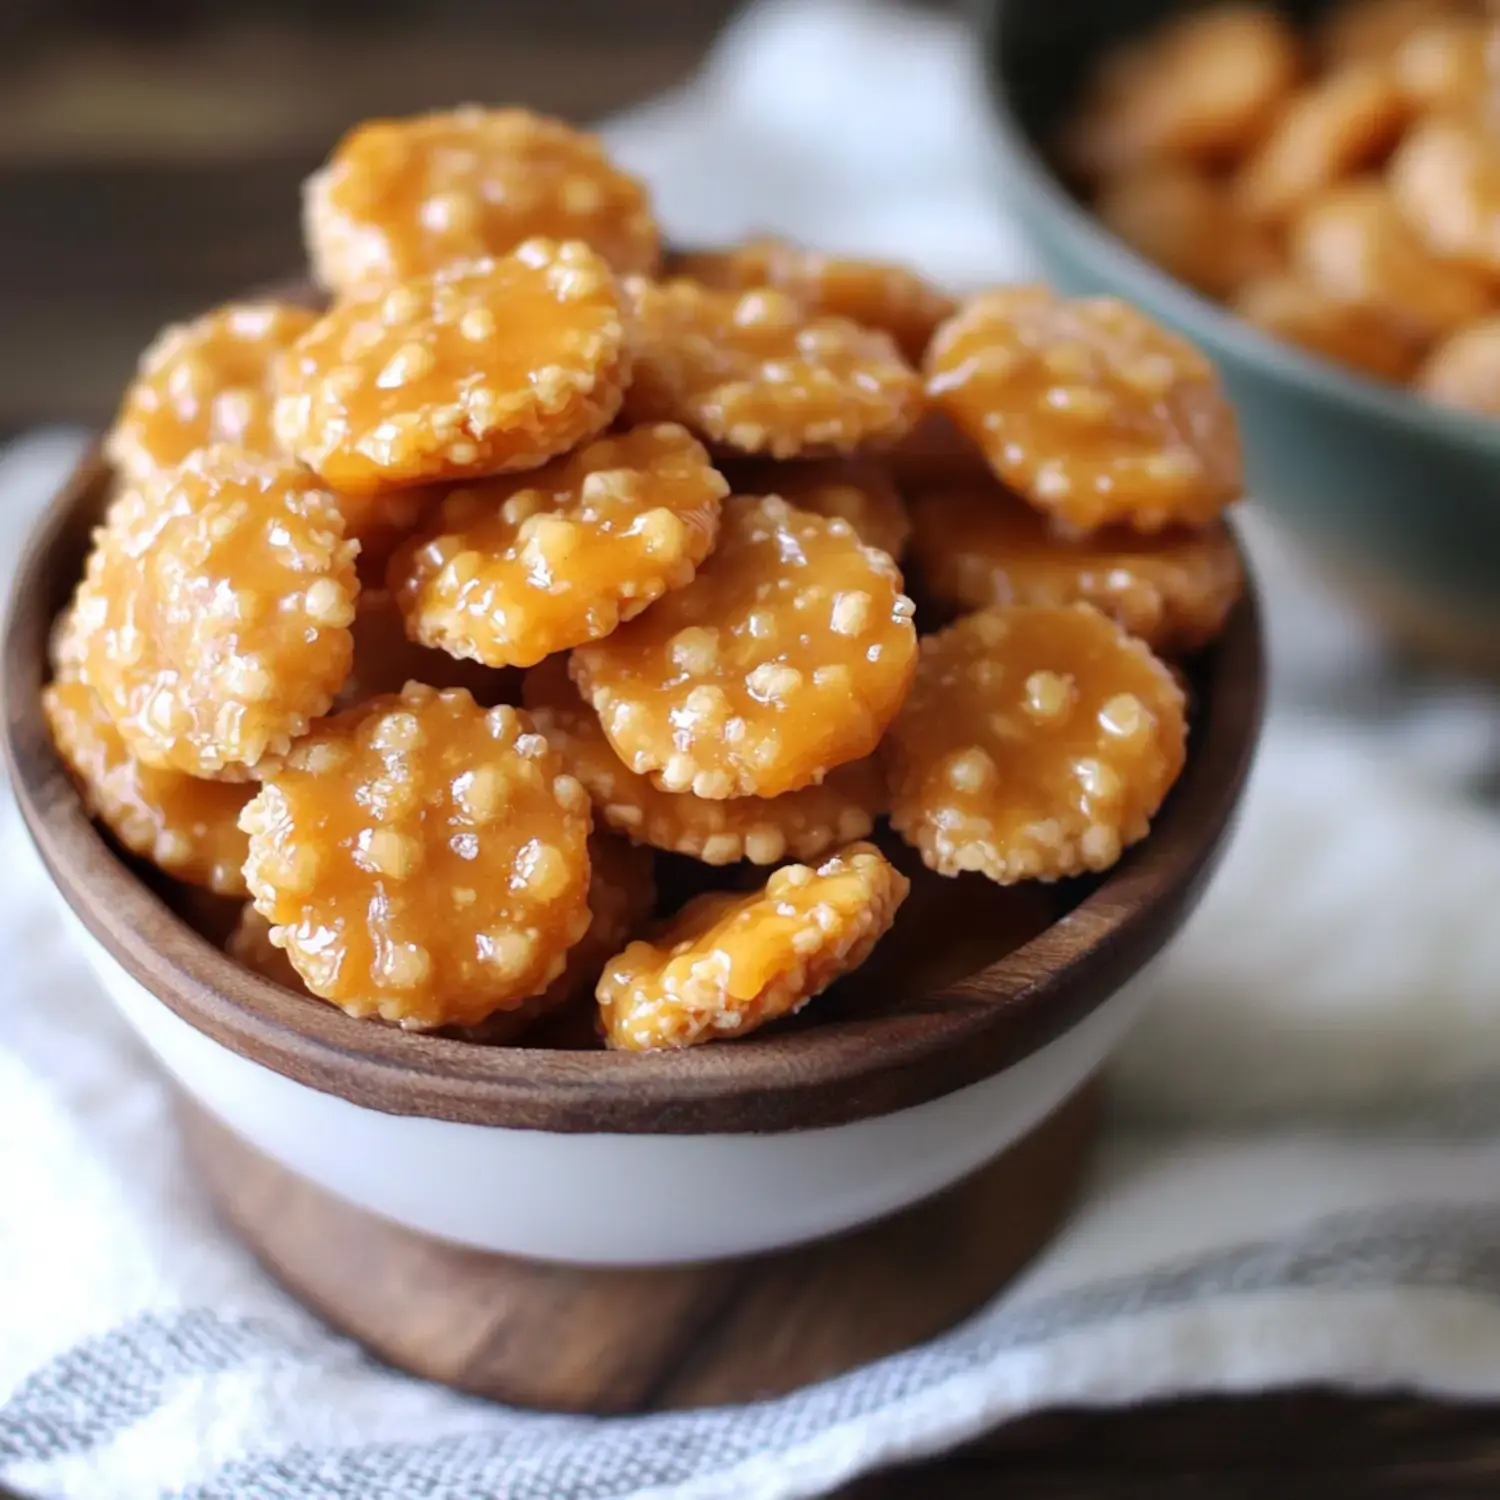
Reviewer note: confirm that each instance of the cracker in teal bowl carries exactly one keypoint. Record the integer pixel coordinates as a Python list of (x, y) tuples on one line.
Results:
[(1397, 494)]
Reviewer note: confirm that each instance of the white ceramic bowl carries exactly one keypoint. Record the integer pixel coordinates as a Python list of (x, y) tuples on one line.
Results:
[(616, 1199)]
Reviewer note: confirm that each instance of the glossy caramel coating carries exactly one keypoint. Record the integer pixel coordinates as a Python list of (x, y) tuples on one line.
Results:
[(857, 490), (403, 198), (1333, 129), (726, 964), (1036, 743), (185, 826), (1344, 332), (1203, 87), (204, 382), (1088, 409), (1173, 589), (215, 611), (1186, 221), (786, 656), (1446, 180), (622, 893), (249, 944), (485, 366), (1354, 245), (1464, 371), (380, 523), (513, 569), (875, 293), (753, 372), (804, 824), (422, 859)]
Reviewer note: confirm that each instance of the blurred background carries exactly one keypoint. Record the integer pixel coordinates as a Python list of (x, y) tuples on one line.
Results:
[(151, 150)]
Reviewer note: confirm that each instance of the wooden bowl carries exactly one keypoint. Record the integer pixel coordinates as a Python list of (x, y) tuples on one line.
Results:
[(555, 1227), (965, 1053)]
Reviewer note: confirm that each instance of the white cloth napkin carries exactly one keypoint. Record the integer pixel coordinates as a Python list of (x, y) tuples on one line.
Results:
[(1301, 1181)]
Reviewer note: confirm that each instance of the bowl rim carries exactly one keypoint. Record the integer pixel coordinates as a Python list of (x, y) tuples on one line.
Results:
[(1205, 321), (829, 1075)]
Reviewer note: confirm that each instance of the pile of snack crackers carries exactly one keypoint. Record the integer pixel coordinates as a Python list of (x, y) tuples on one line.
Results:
[(429, 623)]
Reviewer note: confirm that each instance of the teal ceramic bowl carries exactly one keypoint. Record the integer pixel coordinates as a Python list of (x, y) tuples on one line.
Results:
[(1400, 498)]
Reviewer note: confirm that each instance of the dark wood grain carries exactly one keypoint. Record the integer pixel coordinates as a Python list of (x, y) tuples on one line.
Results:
[(1292, 1445), (144, 180), (846, 1068), (601, 1340)]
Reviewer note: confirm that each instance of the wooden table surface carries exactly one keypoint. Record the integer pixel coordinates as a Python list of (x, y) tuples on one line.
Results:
[(1312, 1445), (142, 182), (144, 179)]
